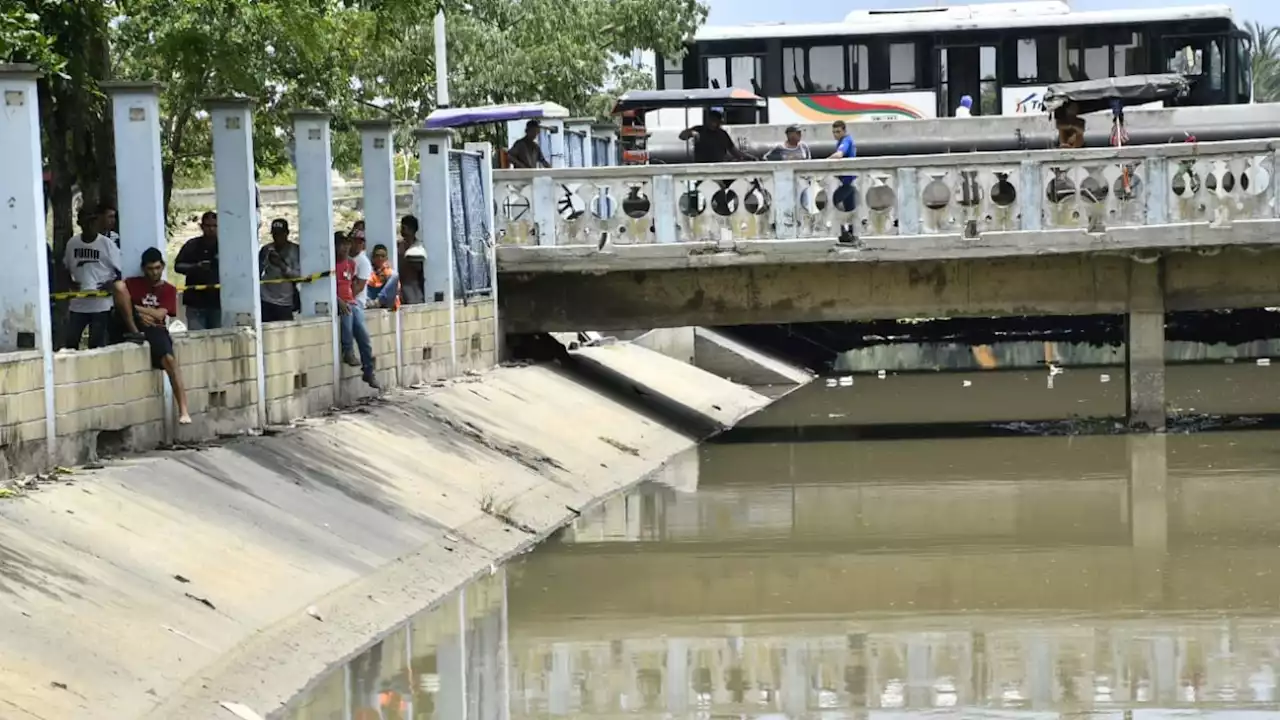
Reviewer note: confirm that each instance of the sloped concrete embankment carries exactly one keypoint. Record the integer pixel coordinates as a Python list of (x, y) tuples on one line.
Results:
[(165, 585)]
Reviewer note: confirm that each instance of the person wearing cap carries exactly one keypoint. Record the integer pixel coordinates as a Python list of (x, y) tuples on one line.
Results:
[(711, 144), (278, 260), (525, 153), (966, 107), (793, 149)]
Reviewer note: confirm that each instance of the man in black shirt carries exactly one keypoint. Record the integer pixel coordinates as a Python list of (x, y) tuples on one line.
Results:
[(198, 263), (525, 152), (711, 144)]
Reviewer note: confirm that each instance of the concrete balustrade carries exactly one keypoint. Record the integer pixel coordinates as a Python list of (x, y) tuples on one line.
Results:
[(959, 197), (68, 407)]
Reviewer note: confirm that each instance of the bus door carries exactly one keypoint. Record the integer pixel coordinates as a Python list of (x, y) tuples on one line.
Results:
[(968, 70), (1203, 58)]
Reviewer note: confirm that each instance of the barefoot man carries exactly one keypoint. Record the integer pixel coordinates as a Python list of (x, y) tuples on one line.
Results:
[(154, 302)]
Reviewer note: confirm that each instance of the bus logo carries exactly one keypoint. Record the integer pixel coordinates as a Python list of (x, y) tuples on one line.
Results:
[(1031, 103)]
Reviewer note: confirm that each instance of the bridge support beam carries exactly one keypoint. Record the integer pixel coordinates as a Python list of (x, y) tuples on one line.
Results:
[(1144, 346)]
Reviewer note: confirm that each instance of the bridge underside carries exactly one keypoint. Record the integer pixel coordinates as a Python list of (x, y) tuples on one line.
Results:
[(844, 290)]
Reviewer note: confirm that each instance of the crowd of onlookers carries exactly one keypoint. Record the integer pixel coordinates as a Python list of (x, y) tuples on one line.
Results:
[(118, 301)]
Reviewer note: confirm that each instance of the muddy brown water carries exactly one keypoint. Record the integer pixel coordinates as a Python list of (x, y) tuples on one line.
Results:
[(1127, 577)]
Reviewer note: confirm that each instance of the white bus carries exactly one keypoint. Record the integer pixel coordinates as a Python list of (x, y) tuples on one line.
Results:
[(919, 63)]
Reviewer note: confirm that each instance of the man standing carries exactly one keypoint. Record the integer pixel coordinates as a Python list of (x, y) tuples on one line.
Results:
[(412, 262), (93, 261), (966, 107), (198, 262), (350, 314), (278, 260), (154, 302), (711, 144), (525, 154), (793, 149)]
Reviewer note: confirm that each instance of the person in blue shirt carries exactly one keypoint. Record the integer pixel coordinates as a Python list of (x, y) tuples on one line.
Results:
[(844, 149)]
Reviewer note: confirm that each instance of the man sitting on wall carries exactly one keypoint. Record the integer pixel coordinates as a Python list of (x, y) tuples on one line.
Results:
[(154, 302)]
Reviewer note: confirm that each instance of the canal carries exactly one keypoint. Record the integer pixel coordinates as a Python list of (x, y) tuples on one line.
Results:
[(1091, 576)]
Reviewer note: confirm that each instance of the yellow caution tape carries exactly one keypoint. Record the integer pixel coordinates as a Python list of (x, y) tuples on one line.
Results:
[(183, 288)]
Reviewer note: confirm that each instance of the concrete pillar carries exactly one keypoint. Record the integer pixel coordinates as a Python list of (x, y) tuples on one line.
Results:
[(135, 117), (377, 149), (451, 665), (609, 133), (24, 275), (135, 113), (1144, 347), (485, 151), (232, 120), (313, 158), (582, 126), (435, 227), (677, 672)]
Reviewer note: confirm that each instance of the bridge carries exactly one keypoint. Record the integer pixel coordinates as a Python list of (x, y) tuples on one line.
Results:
[(1134, 231)]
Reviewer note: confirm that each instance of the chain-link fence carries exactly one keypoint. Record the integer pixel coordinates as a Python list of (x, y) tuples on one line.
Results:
[(600, 152), (575, 147), (468, 213)]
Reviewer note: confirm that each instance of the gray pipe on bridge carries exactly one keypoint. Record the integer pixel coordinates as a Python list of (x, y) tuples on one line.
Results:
[(669, 152)]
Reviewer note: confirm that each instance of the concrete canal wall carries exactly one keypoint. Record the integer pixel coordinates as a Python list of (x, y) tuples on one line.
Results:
[(163, 585)]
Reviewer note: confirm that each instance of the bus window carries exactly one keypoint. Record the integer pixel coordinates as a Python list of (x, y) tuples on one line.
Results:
[(746, 72), (1244, 68), (826, 68), (793, 70), (1097, 59), (859, 68), (672, 74), (1028, 67), (717, 72), (1201, 57), (902, 66), (1129, 58)]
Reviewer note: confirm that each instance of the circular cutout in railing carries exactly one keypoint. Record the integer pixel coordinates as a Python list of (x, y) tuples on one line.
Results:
[(845, 197), (1093, 190), (1186, 183), (636, 204), (724, 202), (603, 205), (1228, 181), (570, 206), (1003, 193), (936, 194), (516, 207), (758, 201), (881, 198), (1127, 190), (691, 203), (1060, 188)]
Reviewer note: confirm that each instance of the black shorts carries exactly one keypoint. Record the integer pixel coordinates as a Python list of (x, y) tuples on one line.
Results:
[(158, 339)]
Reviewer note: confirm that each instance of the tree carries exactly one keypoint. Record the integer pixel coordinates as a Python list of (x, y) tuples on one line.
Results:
[(1266, 62)]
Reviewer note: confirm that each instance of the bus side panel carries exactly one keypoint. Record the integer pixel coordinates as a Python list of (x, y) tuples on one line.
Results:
[(859, 107)]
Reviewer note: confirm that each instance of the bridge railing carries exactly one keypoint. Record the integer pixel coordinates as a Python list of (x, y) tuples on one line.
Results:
[(962, 194)]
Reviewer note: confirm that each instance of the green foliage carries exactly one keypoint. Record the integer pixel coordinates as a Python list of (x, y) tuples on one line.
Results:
[(1266, 62), (22, 38)]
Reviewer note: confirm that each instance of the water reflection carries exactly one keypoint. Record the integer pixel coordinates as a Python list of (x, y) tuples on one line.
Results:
[(1125, 577), (1088, 577)]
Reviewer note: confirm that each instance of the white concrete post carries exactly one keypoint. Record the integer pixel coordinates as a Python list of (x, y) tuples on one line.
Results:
[(313, 160), (232, 120), (24, 275), (377, 148), (1144, 346), (436, 227), (135, 112), (486, 179), (135, 117), (582, 126)]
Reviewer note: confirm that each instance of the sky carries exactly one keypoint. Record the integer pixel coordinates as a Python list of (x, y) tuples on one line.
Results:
[(737, 12)]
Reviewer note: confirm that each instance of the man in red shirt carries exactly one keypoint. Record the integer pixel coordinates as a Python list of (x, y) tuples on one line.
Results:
[(154, 302), (351, 315)]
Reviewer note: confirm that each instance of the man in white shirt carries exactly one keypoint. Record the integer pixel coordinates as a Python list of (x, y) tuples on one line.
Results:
[(93, 260), (364, 270), (966, 107)]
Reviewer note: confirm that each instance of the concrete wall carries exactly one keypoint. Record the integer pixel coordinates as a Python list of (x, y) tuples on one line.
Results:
[(162, 586), (110, 399)]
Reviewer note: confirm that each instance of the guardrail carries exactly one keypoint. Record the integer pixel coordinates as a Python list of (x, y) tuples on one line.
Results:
[(965, 193)]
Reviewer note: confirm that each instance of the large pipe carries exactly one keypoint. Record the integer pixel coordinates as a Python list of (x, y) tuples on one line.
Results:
[(1097, 136)]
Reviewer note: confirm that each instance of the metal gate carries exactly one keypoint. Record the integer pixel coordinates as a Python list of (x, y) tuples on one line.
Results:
[(469, 216), (575, 147)]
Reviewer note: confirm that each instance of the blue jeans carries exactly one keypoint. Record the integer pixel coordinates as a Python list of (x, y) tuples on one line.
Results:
[(385, 295), (353, 328), (204, 318)]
